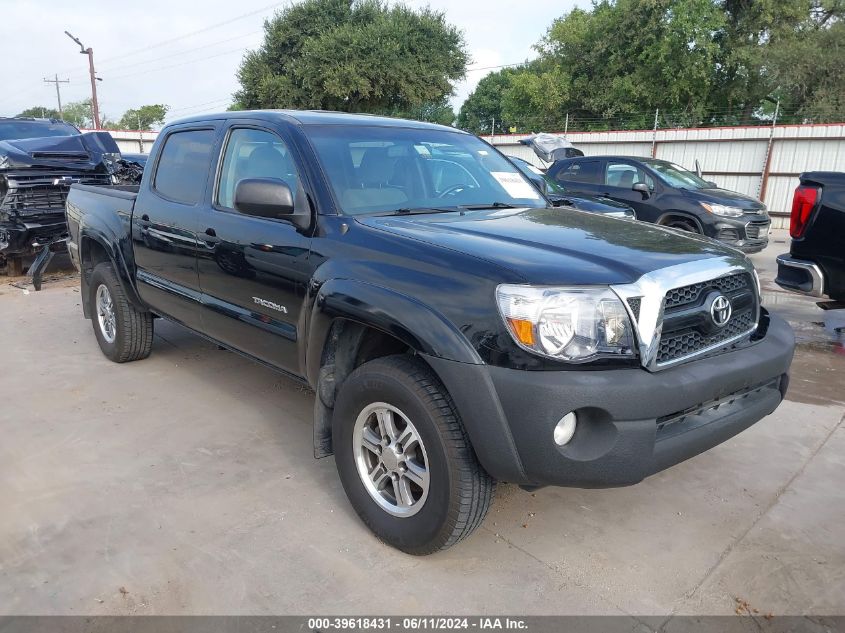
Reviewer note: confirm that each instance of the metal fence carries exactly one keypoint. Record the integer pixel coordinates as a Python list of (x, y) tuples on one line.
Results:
[(761, 161)]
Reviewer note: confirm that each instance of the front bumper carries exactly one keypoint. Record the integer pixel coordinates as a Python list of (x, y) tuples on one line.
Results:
[(27, 236), (632, 423), (749, 234), (800, 275)]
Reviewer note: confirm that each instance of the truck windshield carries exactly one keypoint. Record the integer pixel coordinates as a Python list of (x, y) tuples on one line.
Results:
[(384, 169), (677, 176), (14, 130)]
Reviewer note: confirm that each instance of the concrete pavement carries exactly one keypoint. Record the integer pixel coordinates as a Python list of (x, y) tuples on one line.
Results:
[(185, 484)]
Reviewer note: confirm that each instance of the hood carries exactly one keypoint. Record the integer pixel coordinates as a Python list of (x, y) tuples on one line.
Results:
[(83, 152), (553, 246), (726, 197)]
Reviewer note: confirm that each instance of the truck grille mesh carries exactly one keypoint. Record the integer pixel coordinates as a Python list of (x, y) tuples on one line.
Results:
[(34, 193), (680, 341), (684, 344), (689, 294)]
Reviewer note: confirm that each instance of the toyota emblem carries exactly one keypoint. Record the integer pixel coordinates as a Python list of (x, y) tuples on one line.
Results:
[(720, 310)]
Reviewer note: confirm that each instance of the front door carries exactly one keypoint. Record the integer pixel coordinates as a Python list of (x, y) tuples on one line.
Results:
[(619, 178), (254, 271), (164, 223)]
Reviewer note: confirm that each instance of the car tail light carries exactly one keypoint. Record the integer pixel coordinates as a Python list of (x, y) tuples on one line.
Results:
[(803, 204)]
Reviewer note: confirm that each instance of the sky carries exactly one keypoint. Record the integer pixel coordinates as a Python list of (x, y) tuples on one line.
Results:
[(167, 51)]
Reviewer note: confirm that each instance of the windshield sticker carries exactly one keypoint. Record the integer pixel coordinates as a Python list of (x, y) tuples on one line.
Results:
[(515, 185)]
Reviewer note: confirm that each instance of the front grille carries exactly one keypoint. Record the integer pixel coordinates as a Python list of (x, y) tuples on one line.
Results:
[(690, 294), (686, 343), (33, 193), (687, 324)]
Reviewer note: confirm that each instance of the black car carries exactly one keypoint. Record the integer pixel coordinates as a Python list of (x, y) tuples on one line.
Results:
[(815, 264), (560, 197), (669, 195)]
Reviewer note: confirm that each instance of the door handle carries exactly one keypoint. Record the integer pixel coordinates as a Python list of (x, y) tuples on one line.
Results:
[(211, 236), (145, 220)]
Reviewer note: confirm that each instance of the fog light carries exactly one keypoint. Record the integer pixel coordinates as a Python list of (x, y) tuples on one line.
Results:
[(565, 429)]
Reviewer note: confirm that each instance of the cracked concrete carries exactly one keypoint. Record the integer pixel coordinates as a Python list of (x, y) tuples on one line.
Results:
[(185, 484)]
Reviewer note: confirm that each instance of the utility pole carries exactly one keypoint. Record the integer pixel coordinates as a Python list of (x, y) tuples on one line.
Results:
[(654, 133), (90, 52), (58, 81)]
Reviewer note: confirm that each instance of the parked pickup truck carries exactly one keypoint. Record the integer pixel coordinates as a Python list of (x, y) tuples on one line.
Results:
[(815, 264), (456, 331)]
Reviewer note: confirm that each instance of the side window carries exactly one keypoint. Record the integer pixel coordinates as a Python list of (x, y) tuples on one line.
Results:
[(254, 154), (588, 171), (625, 175), (183, 166)]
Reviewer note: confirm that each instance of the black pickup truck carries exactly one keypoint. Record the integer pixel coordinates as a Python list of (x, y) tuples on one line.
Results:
[(456, 330), (815, 264)]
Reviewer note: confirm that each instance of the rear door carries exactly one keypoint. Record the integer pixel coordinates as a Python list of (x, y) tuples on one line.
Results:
[(620, 176), (164, 222), (253, 272), (582, 176)]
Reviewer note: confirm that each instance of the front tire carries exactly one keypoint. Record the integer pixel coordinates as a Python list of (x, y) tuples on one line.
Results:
[(404, 458), (123, 332)]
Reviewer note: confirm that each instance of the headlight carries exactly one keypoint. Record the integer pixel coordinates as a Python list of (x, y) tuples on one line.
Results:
[(720, 209), (573, 324)]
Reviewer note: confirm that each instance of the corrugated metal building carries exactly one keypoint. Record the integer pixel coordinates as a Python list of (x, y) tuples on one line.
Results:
[(761, 161)]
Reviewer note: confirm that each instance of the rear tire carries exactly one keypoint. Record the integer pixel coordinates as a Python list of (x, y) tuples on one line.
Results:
[(424, 495), (123, 332)]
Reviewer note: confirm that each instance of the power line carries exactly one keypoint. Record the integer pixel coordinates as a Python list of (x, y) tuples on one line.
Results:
[(197, 32), (185, 63), (183, 52)]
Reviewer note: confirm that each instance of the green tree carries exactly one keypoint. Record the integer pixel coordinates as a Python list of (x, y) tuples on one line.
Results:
[(628, 57), (352, 55), (144, 118), (79, 113), (40, 112), (484, 104)]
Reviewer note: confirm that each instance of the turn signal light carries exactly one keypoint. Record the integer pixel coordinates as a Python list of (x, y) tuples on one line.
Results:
[(523, 330), (803, 203)]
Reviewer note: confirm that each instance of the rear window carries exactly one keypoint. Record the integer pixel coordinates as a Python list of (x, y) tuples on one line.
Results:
[(582, 171), (15, 130), (183, 166)]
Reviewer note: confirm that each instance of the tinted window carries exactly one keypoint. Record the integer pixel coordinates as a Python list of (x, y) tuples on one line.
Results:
[(383, 169), (13, 130), (183, 167), (254, 154), (625, 175), (581, 171)]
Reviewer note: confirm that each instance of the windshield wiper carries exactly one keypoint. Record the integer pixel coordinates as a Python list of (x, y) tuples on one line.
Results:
[(491, 205), (419, 211)]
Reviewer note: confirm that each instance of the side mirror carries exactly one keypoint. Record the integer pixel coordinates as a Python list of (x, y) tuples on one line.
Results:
[(264, 198), (642, 188), (711, 183)]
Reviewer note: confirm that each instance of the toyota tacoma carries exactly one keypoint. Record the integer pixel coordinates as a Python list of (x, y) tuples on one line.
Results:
[(455, 329)]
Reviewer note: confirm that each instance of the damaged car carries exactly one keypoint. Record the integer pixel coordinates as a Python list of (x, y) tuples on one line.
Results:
[(39, 160)]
